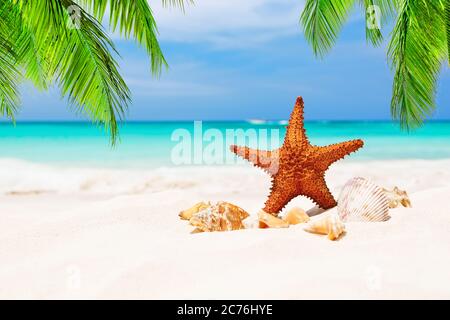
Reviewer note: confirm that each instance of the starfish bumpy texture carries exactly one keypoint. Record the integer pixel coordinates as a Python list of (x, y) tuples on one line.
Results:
[(298, 168)]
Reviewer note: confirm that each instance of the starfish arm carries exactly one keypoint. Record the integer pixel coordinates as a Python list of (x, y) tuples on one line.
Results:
[(318, 191), (325, 156), (295, 132), (267, 160), (280, 195)]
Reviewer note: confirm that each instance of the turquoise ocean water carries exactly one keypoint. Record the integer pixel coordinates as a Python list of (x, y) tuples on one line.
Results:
[(150, 144)]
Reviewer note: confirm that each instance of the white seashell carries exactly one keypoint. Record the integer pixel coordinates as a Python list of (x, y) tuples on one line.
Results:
[(362, 200), (296, 216), (223, 216), (329, 224), (267, 220)]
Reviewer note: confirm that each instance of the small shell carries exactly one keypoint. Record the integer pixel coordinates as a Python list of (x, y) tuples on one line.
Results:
[(188, 213), (330, 225), (267, 220), (295, 216), (397, 198), (361, 200), (251, 222), (222, 216)]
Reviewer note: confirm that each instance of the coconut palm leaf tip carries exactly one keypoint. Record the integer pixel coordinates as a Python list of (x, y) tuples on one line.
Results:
[(62, 42), (447, 26), (417, 50)]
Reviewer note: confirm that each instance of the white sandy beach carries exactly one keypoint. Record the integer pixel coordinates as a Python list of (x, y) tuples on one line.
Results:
[(91, 233)]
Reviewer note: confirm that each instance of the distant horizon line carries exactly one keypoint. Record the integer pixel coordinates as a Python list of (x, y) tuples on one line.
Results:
[(250, 121)]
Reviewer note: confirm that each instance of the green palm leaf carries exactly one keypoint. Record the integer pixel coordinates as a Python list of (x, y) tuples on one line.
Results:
[(30, 58), (133, 19), (39, 41), (322, 21), (29, 52), (177, 3), (419, 45), (417, 50), (79, 60), (9, 74), (9, 96), (447, 26), (88, 74)]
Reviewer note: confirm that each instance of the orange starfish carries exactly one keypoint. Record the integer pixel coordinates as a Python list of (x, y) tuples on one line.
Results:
[(298, 168)]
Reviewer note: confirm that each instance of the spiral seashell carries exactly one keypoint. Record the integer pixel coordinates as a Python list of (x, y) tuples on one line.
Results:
[(222, 216), (362, 200), (330, 225), (188, 213), (296, 216), (267, 220)]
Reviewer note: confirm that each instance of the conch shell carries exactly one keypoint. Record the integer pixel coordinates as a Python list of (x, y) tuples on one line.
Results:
[(362, 200), (397, 198), (330, 225), (295, 216), (222, 216), (188, 213), (267, 220)]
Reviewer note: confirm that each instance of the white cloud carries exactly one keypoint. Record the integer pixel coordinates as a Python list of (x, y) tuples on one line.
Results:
[(229, 23)]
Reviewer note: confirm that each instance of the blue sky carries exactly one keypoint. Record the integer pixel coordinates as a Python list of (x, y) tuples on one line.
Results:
[(233, 59)]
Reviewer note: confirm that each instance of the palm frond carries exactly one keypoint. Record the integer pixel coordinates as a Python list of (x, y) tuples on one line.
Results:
[(417, 51), (177, 3), (30, 58), (9, 95), (9, 74), (447, 26), (79, 59), (88, 74), (322, 21), (133, 19), (41, 43), (28, 50)]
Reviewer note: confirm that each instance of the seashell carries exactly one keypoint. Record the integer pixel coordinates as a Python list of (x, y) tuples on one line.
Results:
[(251, 222), (196, 230), (397, 198), (330, 225), (222, 216), (362, 200), (295, 216), (188, 213), (267, 220)]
